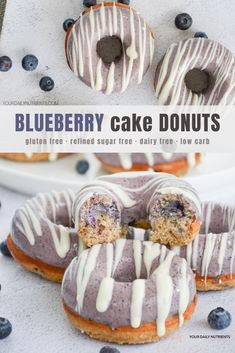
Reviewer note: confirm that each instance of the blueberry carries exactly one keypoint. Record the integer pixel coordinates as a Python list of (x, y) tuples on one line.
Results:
[(4, 249), (46, 84), (200, 35), (183, 21), (68, 23), (219, 319), (89, 3), (5, 63), (82, 166), (108, 349), (5, 328), (30, 62), (125, 2), (175, 206)]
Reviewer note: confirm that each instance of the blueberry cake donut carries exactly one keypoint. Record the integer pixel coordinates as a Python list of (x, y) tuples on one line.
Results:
[(212, 253), (32, 157), (42, 237), (196, 71), (173, 163), (128, 292), (103, 209), (109, 47)]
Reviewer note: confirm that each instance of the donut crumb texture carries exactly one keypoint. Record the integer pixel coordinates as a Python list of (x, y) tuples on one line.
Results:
[(100, 221), (171, 218)]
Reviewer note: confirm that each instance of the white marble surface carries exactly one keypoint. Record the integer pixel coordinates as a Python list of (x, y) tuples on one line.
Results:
[(33, 305), (36, 27)]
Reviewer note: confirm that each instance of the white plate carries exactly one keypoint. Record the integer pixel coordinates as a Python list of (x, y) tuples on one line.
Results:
[(30, 178)]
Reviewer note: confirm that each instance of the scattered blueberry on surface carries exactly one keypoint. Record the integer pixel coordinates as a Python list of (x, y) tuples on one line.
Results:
[(4, 249), (30, 62), (82, 166), (219, 319), (183, 21), (125, 2), (5, 63), (89, 3), (46, 84), (68, 23), (5, 328), (108, 349), (200, 35)]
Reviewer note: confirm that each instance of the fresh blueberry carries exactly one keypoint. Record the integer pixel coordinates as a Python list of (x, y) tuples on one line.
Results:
[(183, 21), (82, 166), (30, 62), (219, 319), (46, 84), (68, 23), (4, 249), (5, 63), (5, 328), (125, 2), (89, 3), (200, 35), (108, 349)]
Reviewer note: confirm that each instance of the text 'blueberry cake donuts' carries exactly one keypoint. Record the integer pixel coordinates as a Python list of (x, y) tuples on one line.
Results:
[(173, 163), (128, 291), (110, 47), (104, 209), (42, 238), (196, 71)]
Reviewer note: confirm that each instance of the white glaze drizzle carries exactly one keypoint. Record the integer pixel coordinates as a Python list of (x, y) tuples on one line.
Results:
[(31, 216), (120, 244), (183, 57), (86, 266), (137, 299), (137, 249), (164, 289), (80, 45), (183, 291), (151, 252)]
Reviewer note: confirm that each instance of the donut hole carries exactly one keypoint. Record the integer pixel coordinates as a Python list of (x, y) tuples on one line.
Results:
[(110, 49), (197, 81)]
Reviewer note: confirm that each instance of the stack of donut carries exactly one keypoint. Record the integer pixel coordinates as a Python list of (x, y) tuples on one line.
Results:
[(125, 284)]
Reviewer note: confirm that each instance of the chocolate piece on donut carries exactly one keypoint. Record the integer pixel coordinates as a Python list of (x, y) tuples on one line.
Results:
[(212, 253), (103, 209), (110, 47), (173, 163), (196, 71), (128, 292), (42, 238)]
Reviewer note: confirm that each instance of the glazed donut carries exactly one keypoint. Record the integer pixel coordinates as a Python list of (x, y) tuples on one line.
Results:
[(32, 157), (109, 47), (103, 209), (212, 253), (128, 292), (202, 63), (173, 163), (42, 237)]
